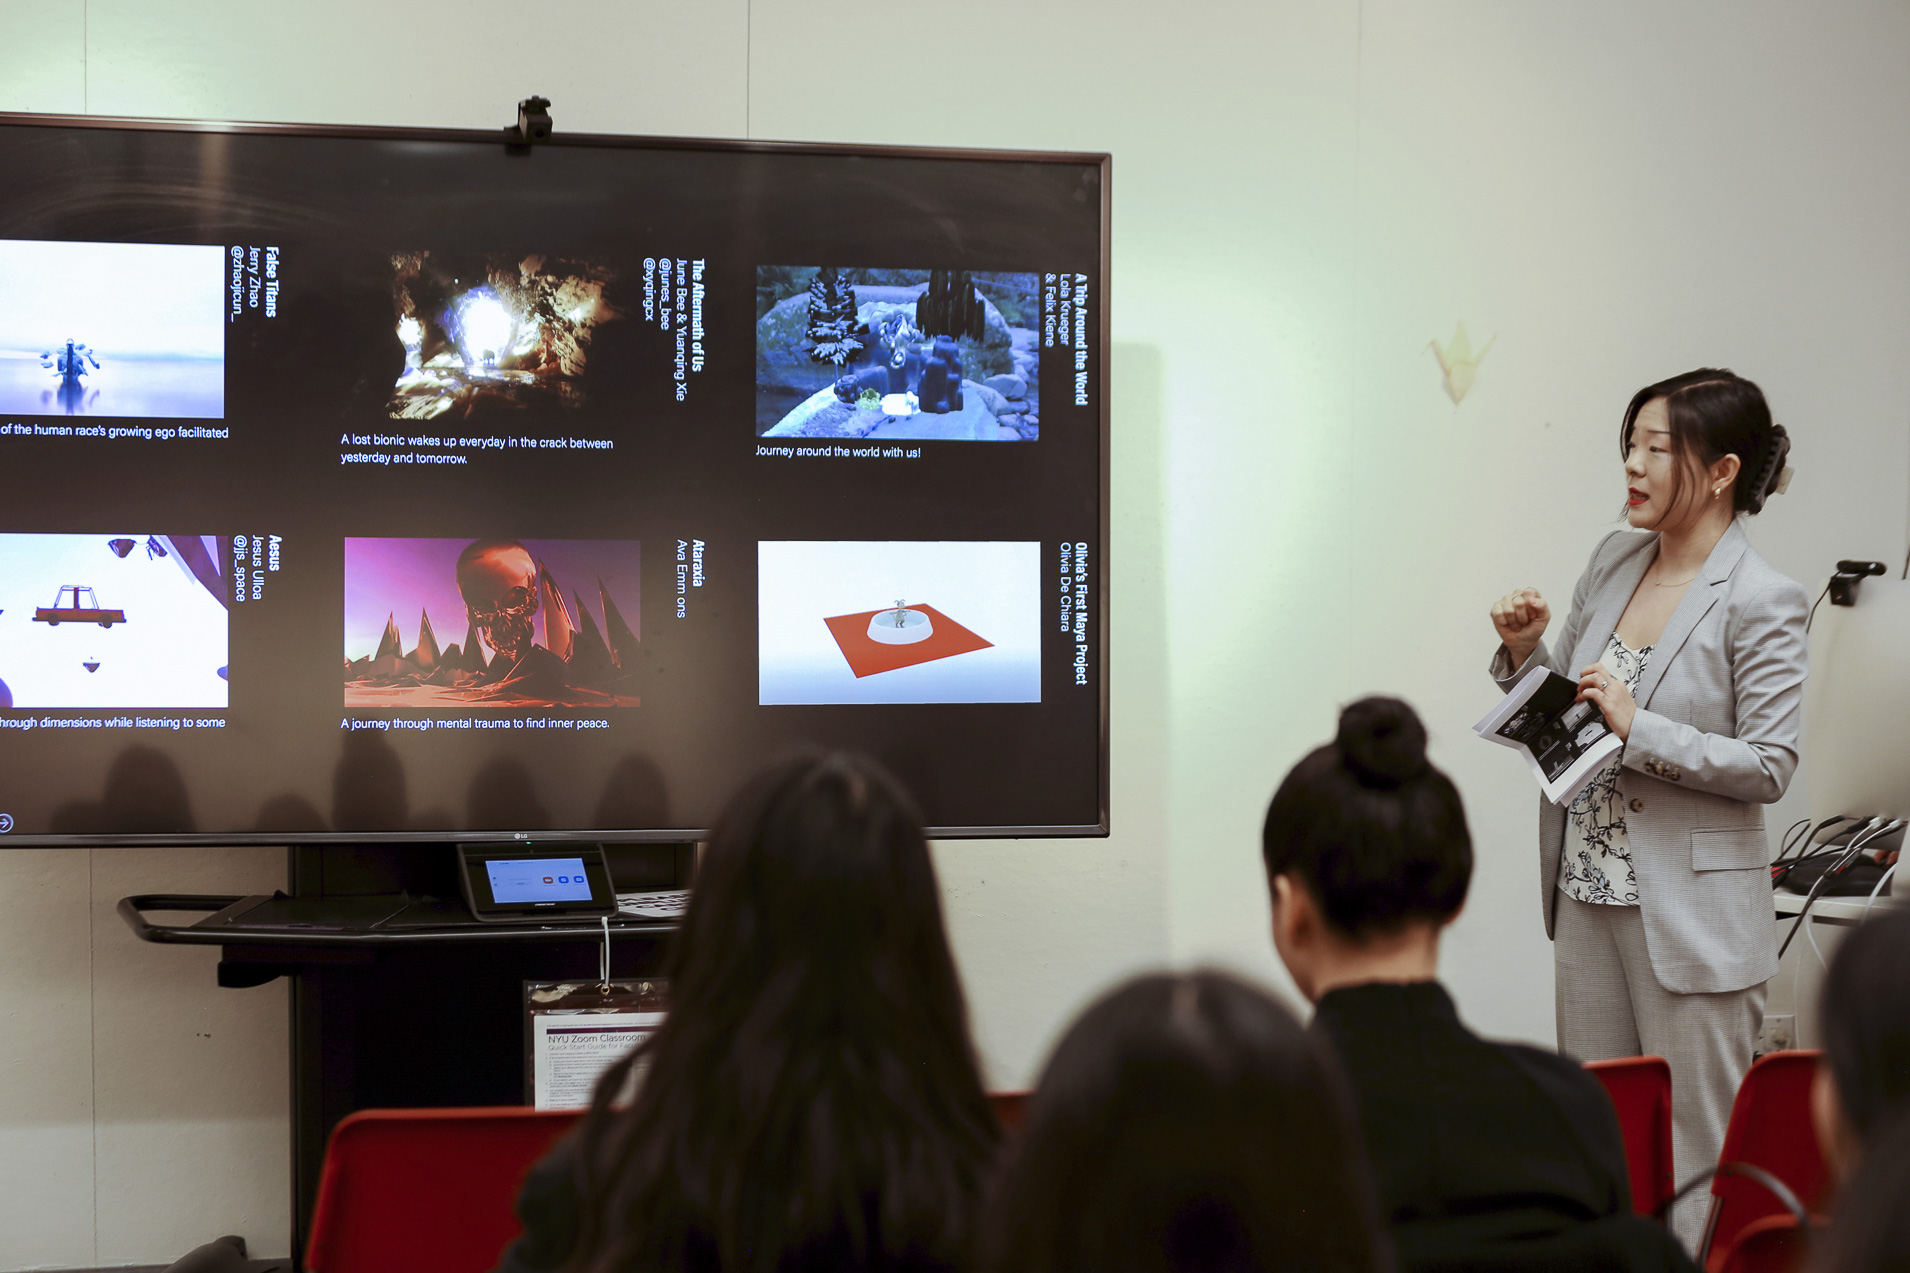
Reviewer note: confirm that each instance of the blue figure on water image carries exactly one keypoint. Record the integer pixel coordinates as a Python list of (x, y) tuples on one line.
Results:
[(69, 364), (112, 329)]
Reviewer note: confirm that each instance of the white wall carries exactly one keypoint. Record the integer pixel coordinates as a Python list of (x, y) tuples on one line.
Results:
[(1306, 193), (142, 1110)]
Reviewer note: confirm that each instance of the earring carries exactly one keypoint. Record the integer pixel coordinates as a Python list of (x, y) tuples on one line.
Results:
[(1716, 491)]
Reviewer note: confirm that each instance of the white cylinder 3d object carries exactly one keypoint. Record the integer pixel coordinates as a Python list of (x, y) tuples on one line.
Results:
[(900, 626)]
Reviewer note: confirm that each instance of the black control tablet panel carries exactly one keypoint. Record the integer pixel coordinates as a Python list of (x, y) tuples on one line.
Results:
[(508, 882)]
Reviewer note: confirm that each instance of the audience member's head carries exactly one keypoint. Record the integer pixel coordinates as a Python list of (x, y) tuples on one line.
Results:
[(813, 1097), (1865, 1012), (1367, 854), (1185, 1123), (1871, 1231)]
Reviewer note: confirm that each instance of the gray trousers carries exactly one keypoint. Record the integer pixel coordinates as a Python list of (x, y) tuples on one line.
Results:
[(1610, 1004)]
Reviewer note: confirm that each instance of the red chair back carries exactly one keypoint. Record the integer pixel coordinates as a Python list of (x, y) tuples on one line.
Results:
[(410, 1189), (1774, 1244), (1640, 1088), (1008, 1109), (1771, 1128)]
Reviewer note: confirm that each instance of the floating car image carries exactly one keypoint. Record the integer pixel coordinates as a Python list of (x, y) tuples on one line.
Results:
[(96, 619), (60, 612)]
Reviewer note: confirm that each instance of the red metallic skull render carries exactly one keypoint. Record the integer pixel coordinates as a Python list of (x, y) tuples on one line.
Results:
[(498, 581)]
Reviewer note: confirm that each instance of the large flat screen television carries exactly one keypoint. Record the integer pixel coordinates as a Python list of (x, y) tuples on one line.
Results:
[(364, 485)]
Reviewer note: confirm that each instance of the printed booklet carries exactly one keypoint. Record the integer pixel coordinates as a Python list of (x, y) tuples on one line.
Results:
[(1564, 742)]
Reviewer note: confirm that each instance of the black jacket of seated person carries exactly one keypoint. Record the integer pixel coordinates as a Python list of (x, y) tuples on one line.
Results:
[(1485, 1155), (551, 1209)]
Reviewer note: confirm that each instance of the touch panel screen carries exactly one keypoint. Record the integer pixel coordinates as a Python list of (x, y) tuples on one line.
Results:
[(530, 880)]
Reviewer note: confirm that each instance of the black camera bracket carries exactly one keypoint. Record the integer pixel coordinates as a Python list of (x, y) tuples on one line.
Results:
[(533, 123), (1843, 584)]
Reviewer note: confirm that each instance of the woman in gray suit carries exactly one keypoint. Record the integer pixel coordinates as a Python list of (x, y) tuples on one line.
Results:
[(1653, 882)]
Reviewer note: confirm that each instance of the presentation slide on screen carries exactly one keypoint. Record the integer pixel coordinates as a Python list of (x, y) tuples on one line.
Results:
[(544, 623), (943, 355), (898, 622), (112, 329), (111, 621)]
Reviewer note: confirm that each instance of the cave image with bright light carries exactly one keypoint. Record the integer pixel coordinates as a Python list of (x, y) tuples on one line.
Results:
[(492, 331), (487, 331)]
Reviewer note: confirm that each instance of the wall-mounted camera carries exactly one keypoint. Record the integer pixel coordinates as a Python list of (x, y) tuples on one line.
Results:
[(533, 122), (1843, 584)]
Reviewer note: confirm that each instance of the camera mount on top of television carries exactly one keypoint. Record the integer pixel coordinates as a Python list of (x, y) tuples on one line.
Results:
[(533, 123)]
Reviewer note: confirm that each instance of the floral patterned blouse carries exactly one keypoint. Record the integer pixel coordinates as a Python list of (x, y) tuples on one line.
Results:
[(1596, 866)]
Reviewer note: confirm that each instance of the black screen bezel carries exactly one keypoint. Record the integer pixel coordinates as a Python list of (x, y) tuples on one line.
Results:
[(507, 137)]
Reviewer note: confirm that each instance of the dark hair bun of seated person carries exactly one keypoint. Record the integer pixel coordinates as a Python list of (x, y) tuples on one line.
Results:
[(1371, 826), (1382, 742)]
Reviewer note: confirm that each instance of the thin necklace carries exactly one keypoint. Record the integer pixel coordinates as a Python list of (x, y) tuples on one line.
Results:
[(1675, 584)]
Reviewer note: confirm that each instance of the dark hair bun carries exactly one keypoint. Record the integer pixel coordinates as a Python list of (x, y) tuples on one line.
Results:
[(1382, 742), (1777, 450)]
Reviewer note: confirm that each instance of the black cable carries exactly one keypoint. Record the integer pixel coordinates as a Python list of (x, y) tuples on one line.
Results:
[(1817, 832), (1810, 899), (1779, 871), (1906, 567), (1859, 841), (1809, 837), (1812, 616), (1783, 874), (1857, 845)]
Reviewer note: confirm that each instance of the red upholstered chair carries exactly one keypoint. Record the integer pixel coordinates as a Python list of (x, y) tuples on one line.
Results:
[(1008, 1108), (1640, 1088), (410, 1189), (1773, 1244), (1770, 1128)]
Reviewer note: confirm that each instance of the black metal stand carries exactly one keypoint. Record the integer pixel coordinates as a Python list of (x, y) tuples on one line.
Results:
[(399, 998)]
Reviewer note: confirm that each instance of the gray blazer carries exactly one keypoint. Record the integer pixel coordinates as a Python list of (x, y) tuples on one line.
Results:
[(1715, 740)]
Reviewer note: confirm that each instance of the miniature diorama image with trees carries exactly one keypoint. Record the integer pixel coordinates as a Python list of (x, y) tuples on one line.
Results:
[(853, 352)]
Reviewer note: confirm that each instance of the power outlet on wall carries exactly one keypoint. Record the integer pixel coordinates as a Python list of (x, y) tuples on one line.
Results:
[(1776, 1034)]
